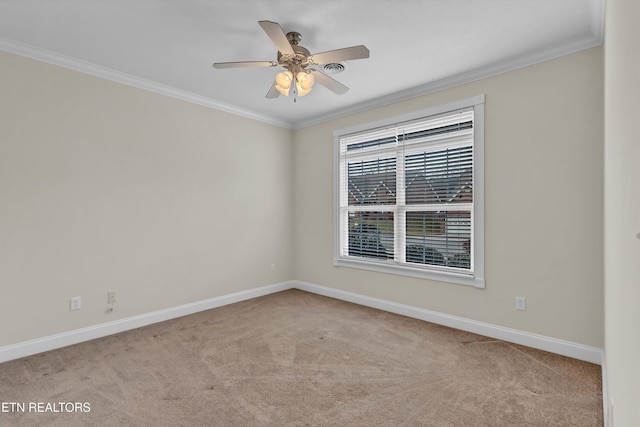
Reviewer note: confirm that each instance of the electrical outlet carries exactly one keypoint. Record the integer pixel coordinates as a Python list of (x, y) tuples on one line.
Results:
[(111, 297), (75, 303), (273, 267), (521, 303)]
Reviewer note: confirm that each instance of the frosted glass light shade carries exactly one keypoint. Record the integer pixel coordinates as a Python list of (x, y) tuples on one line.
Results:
[(304, 83), (283, 82)]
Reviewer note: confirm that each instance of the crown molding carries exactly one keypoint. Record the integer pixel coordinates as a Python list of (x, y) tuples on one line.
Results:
[(44, 55), (531, 58)]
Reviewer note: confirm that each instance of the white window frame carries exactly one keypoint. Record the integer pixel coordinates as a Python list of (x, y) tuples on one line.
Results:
[(476, 277)]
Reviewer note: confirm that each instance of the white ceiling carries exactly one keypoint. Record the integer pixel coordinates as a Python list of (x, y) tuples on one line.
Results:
[(417, 46)]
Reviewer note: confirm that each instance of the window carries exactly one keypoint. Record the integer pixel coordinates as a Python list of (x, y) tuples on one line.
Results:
[(409, 196)]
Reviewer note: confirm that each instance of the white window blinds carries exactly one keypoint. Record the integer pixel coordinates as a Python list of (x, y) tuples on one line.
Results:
[(406, 194)]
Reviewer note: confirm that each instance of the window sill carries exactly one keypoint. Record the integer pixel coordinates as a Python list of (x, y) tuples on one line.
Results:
[(441, 276)]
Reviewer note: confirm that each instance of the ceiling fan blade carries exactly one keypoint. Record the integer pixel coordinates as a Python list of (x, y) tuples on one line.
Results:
[(345, 54), (273, 92), (245, 64), (331, 84), (277, 36)]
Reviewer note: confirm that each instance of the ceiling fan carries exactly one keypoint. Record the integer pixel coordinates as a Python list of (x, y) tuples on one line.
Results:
[(297, 61)]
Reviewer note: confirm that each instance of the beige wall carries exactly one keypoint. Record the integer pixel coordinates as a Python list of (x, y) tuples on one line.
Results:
[(622, 209), (543, 205), (106, 187)]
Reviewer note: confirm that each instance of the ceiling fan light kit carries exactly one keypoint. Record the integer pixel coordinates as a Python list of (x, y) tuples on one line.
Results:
[(304, 82), (298, 63)]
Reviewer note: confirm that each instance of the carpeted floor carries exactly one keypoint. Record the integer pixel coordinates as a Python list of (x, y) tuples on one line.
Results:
[(299, 359)]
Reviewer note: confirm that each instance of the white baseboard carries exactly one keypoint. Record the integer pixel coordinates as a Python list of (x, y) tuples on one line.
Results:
[(565, 348), (607, 403), (541, 342), (51, 342)]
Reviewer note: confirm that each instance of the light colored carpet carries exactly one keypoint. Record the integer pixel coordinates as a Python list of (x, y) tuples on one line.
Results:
[(299, 359)]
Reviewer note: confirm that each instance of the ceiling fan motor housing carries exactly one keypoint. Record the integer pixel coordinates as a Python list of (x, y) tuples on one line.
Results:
[(300, 59)]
